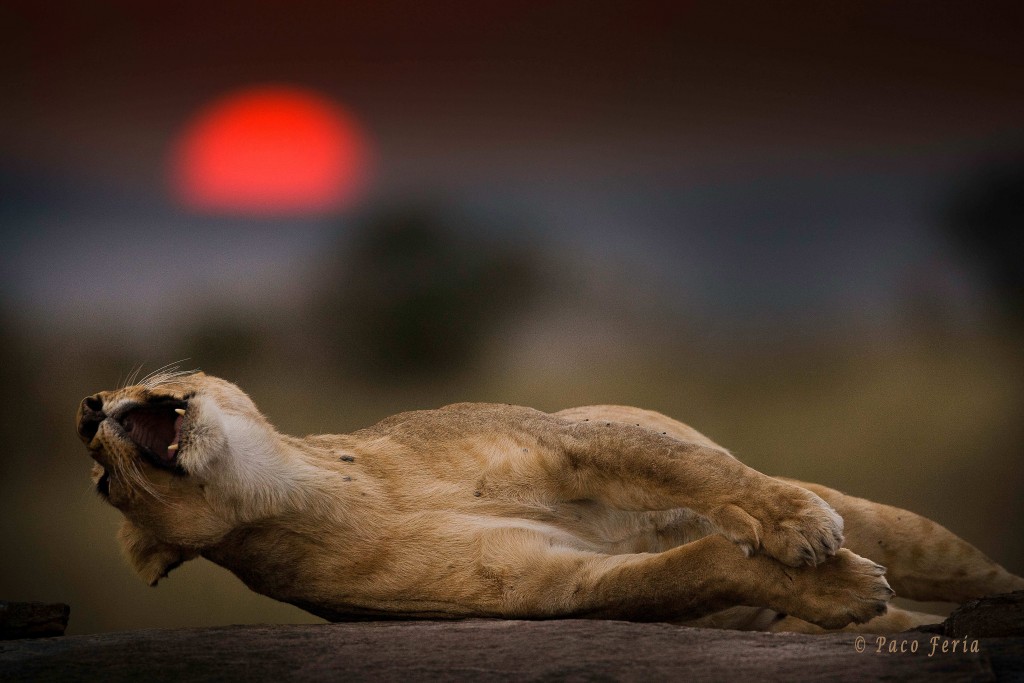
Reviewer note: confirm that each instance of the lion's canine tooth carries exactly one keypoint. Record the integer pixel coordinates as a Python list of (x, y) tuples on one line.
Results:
[(179, 411), (173, 447)]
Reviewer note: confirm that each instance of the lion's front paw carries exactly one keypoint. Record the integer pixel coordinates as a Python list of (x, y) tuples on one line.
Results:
[(786, 522), (799, 528), (846, 589)]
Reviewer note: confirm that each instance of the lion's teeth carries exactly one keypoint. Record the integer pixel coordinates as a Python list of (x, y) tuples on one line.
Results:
[(179, 411), (173, 447)]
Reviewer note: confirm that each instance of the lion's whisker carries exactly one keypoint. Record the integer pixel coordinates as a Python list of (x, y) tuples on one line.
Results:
[(165, 374), (135, 373)]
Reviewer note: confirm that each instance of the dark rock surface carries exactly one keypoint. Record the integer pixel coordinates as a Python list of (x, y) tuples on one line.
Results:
[(994, 617), (490, 650), (32, 619)]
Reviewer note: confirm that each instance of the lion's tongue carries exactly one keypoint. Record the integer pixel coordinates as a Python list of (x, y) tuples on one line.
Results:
[(155, 430)]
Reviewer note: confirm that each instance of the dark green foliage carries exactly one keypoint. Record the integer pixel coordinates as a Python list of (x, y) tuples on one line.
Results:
[(417, 292), (987, 219)]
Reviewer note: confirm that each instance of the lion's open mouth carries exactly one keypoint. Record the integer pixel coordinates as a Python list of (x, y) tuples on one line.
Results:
[(156, 430)]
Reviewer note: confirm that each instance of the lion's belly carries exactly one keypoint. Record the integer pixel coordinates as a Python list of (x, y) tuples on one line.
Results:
[(585, 525), (614, 531)]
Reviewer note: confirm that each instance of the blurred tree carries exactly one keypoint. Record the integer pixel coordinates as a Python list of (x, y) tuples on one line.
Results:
[(987, 218), (221, 343), (415, 291)]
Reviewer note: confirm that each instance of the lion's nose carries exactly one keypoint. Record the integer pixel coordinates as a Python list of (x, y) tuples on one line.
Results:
[(90, 415)]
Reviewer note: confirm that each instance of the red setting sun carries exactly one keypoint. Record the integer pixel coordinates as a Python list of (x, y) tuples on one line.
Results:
[(269, 150)]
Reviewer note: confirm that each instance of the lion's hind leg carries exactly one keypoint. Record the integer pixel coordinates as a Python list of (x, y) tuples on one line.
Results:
[(632, 459), (895, 620), (687, 582), (925, 560)]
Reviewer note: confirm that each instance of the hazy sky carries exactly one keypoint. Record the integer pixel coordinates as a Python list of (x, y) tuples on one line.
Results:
[(724, 155)]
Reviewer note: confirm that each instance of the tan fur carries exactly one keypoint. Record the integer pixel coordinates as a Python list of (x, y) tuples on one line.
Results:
[(503, 511)]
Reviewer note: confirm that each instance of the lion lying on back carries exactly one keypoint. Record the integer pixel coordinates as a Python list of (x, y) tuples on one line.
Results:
[(501, 511)]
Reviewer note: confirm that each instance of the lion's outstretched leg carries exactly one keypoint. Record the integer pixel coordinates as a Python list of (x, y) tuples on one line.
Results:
[(636, 468), (925, 560), (893, 621), (685, 582)]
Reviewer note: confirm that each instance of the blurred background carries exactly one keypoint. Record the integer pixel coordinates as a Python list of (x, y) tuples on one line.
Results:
[(796, 227)]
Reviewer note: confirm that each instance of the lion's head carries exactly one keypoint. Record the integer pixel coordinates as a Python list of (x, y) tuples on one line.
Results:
[(175, 454)]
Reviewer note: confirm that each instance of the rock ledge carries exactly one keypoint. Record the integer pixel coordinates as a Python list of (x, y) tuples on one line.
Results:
[(494, 650)]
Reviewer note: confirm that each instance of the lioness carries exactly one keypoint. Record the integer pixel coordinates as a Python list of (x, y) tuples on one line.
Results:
[(480, 510)]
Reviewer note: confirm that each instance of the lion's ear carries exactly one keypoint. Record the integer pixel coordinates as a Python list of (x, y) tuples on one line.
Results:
[(152, 559)]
